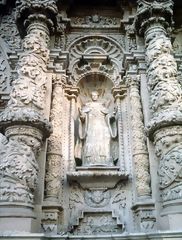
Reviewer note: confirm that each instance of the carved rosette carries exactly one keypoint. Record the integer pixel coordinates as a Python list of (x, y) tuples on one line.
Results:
[(140, 151), (54, 151), (165, 93), (23, 119)]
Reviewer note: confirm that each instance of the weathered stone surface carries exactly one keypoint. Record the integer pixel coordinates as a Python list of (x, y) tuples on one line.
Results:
[(90, 119)]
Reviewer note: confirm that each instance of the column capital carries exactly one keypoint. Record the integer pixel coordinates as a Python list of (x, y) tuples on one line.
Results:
[(72, 92), (150, 13), (59, 80), (133, 80), (36, 10), (119, 92)]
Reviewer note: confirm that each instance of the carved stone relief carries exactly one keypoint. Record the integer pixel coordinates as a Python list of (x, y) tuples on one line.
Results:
[(140, 151), (9, 32), (107, 58), (95, 21), (5, 75), (165, 96), (98, 127), (54, 149), (19, 168), (89, 206)]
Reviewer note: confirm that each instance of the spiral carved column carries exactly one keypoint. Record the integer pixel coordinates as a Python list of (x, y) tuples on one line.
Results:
[(164, 127), (23, 121)]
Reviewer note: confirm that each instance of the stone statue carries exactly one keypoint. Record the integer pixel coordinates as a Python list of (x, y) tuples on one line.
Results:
[(97, 128)]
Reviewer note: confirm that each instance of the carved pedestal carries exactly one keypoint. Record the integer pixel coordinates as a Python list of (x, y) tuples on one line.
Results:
[(94, 205)]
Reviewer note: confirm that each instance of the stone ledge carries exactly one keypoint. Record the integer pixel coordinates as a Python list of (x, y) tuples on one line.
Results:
[(134, 236), (87, 176)]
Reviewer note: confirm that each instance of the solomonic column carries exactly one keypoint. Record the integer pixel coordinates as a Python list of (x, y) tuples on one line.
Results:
[(153, 21), (23, 121)]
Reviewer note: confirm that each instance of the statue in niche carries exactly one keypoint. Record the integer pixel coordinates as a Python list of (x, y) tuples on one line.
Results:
[(97, 131)]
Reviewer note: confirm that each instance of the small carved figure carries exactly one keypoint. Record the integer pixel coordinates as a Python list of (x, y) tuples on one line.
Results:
[(97, 128)]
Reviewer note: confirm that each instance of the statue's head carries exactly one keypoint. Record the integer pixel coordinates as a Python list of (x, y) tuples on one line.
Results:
[(94, 95)]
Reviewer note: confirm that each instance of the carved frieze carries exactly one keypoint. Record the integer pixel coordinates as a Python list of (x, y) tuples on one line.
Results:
[(95, 21)]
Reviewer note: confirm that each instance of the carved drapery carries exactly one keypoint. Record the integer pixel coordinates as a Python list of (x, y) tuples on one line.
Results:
[(165, 94), (139, 145), (23, 120)]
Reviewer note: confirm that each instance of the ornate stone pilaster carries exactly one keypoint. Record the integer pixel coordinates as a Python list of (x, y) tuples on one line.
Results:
[(139, 145), (165, 97), (54, 163), (72, 94), (23, 120), (119, 93), (54, 149)]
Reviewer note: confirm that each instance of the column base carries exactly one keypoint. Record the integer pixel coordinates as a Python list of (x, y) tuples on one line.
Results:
[(171, 215), (16, 218), (144, 213)]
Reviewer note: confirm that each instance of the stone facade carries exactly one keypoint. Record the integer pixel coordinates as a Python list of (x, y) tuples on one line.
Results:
[(90, 119)]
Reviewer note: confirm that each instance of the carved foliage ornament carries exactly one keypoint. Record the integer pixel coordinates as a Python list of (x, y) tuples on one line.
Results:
[(9, 31), (95, 21), (94, 199), (22, 5), (150, 12), (37, 9), (18, 171), (170, 168), (170, 173), (162, 75)]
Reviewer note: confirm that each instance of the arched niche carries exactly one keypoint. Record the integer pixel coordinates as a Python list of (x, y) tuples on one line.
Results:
[(95, 82), (90, 55), (101, 112)]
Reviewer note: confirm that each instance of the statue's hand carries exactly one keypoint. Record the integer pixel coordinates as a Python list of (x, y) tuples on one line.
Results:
[(82, 115), (115, 111)]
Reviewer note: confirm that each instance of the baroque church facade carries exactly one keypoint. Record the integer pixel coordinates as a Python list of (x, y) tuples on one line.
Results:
[(90, 119)]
